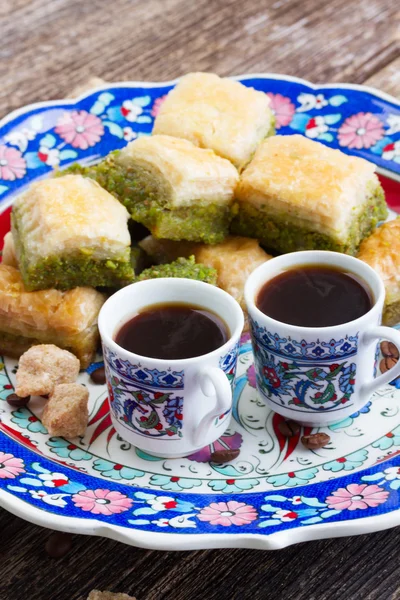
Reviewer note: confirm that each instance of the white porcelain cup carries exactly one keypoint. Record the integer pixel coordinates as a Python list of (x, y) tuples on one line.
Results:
[(170, 408), (318, 375)]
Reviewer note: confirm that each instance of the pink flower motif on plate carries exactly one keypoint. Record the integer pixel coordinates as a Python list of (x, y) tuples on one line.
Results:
[(102, 502), (283, 109), (10, 466), (362, 130), (80, 129), (12, 164), (228, 513), (357, 496), (157, 105)]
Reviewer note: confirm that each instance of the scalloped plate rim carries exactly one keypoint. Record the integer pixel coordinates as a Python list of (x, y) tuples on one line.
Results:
[(204, 541), (187, 541)]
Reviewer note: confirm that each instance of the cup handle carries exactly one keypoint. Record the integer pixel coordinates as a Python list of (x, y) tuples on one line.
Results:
[(392, 335), (213, 383)]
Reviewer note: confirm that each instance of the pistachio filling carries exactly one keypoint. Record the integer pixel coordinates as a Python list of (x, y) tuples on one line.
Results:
[(182, 267), (283, 235), (64, 272), (15, 344)]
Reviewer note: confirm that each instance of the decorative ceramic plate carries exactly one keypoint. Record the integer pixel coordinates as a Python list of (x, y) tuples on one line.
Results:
[(276, 492)]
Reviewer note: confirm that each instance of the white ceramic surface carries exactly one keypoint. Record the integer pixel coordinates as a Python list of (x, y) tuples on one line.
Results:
[(169, 408)]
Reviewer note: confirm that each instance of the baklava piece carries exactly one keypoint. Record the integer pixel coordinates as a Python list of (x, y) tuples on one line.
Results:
[(382, 252), (178, 191), (66, 413), (221, 114), (69, 232), (43, 367), (8, 256), (233, 260), (297, 194), (66, 319)]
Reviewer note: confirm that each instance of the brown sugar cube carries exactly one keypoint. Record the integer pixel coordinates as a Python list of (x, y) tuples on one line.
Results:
[(66, 413), (96, 595), (43, 367)]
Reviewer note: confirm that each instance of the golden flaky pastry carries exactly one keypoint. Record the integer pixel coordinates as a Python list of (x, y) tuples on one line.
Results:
[(216, 113), (66, 319), (382, 252), (185, 173), (66, 214), (297, 179)]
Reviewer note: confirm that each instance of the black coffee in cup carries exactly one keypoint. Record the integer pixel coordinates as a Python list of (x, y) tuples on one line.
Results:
[(315, 296), (173, 331)]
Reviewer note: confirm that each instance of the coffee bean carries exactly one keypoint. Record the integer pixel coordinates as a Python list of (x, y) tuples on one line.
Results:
[(98, 376), (17, 401), (58, 544), (223, 456), (289, 428), (389, 349), (387, 363), (314, 441)]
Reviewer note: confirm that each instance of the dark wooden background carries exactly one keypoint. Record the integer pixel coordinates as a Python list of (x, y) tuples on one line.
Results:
[(48, 48)]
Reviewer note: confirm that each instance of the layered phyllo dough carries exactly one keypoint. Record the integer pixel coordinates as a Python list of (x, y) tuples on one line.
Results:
[(217, 113), (178, 191), (70, 232), (233, 260), (382, 252), (297, 194), (66, 319)]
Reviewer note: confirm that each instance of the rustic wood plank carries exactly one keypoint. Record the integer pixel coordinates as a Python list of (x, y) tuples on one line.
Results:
[(387, 79), (50, 46), (360, 568)]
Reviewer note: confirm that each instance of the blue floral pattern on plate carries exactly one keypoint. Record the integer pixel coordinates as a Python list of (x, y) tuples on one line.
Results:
[(36, 139)]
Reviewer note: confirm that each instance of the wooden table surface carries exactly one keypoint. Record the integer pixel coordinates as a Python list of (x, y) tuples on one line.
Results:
[(47, 48)]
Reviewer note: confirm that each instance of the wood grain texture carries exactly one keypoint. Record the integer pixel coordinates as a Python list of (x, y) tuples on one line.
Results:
[(50, 47), (360, 568)]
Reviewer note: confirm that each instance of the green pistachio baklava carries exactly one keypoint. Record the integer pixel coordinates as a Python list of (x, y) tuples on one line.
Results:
[(178, 191), (297, 194), (70, 232), (217, 113), (382, 252)]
